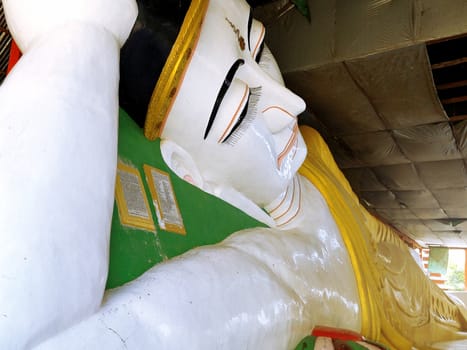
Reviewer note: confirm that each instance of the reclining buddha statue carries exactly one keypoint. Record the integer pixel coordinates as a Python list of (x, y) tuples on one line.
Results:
[(199, 76)]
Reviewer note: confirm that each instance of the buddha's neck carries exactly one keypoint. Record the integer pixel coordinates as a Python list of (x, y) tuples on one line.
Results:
[(287, 209)]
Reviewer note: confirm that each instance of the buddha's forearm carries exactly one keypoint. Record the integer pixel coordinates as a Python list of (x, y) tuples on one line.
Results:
[(58, 150)]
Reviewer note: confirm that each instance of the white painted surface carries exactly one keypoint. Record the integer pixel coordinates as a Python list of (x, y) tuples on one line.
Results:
[(29, 20), (58, 150), (259, 289)]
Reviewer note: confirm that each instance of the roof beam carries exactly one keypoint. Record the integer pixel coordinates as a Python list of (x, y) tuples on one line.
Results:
[(449, 63), (454, 84), (448, 101), (458, 118)]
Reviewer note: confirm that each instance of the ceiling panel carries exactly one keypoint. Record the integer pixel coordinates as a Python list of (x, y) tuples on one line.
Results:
[(399, 177), (390, 214), (414, 226), (456, 212), (343, 154), (409, 147), (460, 133), (380, 199), (398, 86), (363, 25), (444, 225), (452, 198), (413, 173), (375, 148), (442, 18), (429, 213), (336, 98), (421, 199), (429, 142), (443, 174), (363, 179)]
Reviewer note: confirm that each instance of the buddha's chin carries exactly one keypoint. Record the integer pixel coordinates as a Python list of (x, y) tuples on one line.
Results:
[(293, 161)]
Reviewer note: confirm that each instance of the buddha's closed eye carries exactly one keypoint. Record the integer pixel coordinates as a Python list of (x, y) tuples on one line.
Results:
[(245, 118)]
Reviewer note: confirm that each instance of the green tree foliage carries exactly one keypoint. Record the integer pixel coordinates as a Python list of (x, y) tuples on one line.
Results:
[(455, 278)]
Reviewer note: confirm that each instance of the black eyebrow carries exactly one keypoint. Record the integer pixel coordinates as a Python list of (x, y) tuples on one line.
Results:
[(250, 21), (222, 91)]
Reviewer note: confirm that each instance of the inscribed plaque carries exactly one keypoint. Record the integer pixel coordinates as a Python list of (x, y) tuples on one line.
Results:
[(167, 210), (133, 206)]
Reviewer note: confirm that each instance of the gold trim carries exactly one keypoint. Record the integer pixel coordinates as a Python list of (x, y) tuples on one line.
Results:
[(126, 218), (172, 74)]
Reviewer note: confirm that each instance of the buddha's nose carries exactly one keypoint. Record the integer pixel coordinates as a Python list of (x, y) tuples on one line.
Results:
[(280, 108), (276, 104)]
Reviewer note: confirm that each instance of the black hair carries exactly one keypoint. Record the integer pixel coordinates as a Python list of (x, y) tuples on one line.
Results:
[(144, 54)]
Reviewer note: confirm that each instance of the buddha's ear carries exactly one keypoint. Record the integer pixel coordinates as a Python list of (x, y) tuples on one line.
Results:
[(181, 163)]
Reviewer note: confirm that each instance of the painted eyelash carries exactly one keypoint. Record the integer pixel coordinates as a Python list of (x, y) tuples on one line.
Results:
[(243, 123)]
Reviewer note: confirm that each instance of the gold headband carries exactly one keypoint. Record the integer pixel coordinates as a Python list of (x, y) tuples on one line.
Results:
[(172, 74)]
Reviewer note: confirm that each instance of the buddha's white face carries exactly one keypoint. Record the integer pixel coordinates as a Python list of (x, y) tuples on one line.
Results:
[(233, 114)]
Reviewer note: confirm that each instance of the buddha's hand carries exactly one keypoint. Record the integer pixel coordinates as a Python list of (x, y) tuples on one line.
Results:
[(29, 20)]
